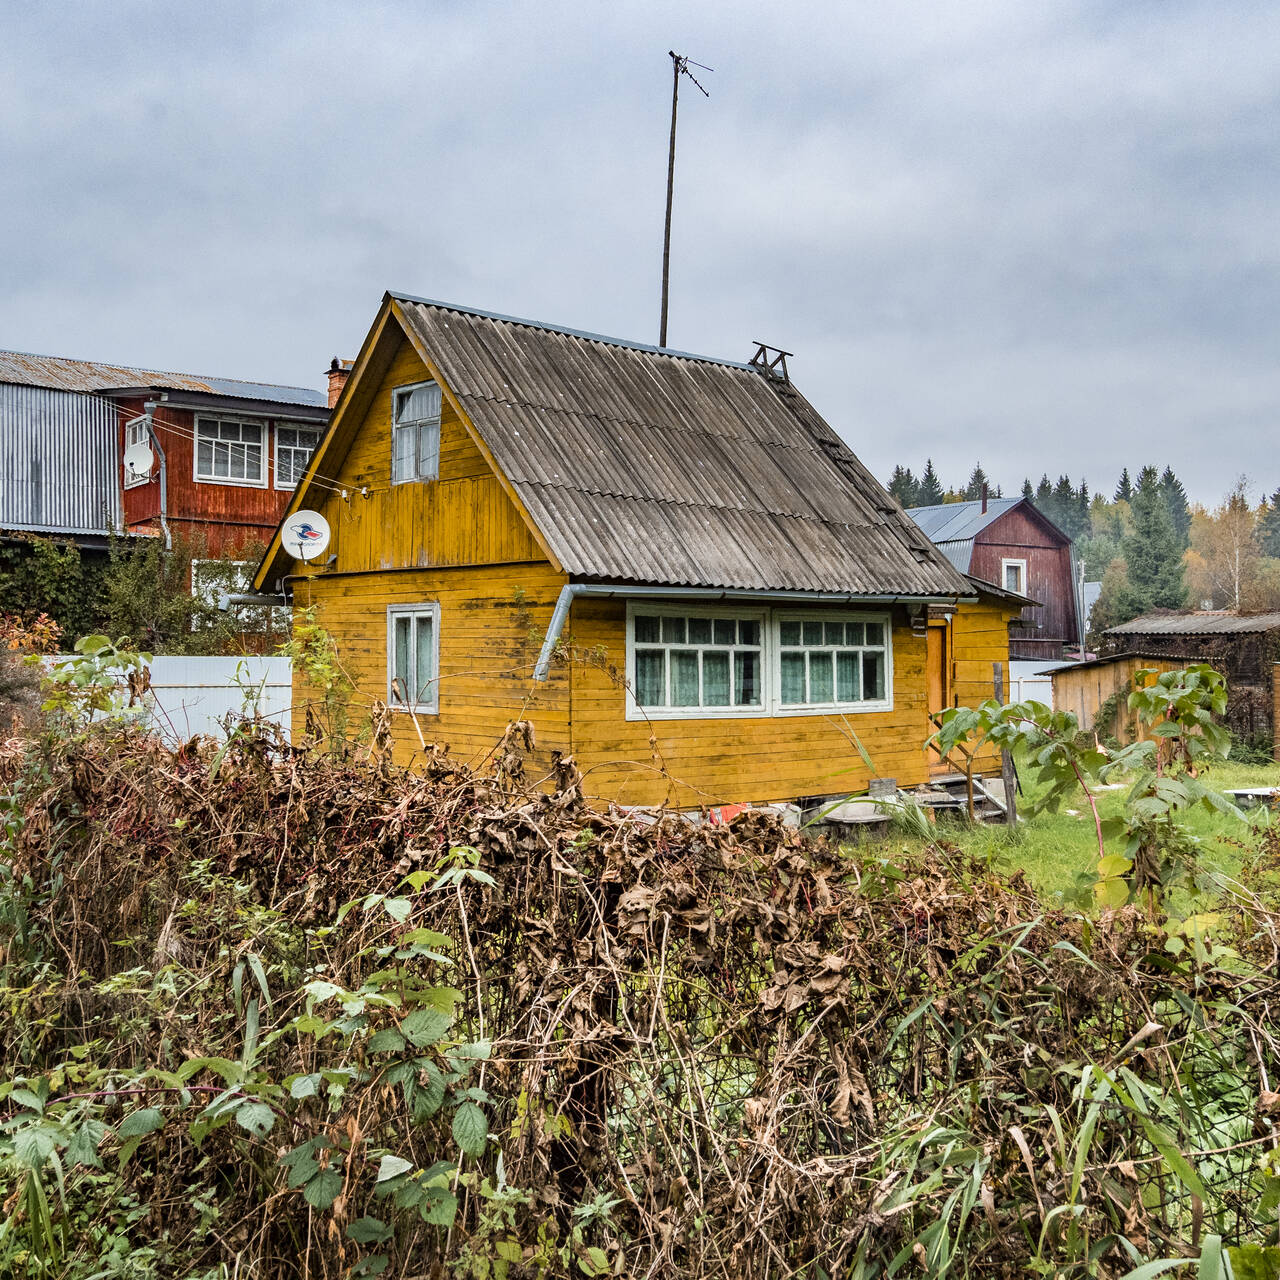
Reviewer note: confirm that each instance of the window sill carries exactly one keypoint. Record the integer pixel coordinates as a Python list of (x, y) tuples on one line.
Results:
[(237, 484), (417, 711)]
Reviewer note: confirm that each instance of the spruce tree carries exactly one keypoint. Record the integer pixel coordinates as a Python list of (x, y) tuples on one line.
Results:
[(1064, 506), (1269, 526), (1175, 497), (977, 481), (1027, 491), (1152, 551), (930, 492), (1124, 490), (904, 486)]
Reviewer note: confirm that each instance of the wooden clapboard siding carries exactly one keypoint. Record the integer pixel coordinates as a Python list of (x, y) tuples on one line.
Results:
[(731, 760), (491, 622), (462, 518), (979, 639)]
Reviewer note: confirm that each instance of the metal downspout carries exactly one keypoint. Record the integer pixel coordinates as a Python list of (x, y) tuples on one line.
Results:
[(150, 407)]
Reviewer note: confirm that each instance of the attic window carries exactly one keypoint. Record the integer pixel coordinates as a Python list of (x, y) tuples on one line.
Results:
[(415, 432), (1014, 573)]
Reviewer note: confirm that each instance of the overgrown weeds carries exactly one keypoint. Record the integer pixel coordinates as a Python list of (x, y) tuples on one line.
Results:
[(270, 1013)]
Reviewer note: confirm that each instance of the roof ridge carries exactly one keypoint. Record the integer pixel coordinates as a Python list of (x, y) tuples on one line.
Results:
[(164, 373), (628, 343)]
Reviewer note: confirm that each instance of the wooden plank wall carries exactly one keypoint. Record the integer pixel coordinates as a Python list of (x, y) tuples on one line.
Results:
[(980, 638), (1018, 535), (492, 619), (719, 761), (462, 518), (1083, 690)]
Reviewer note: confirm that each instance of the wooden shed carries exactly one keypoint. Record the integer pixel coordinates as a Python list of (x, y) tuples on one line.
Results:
[(1103, 685), (670, 564)]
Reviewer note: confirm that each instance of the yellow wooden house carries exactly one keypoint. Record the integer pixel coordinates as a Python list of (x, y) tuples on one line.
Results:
[(670, 565)]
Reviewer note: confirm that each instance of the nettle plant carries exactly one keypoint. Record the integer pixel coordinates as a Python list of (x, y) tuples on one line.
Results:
[(1152, 849), (331, 1139)]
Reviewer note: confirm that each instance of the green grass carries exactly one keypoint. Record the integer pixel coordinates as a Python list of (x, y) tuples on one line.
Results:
[(1051, 849)]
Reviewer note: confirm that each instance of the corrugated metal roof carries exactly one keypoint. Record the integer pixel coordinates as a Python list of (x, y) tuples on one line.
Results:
[(960, 521), (644, 465), (64, 374), (1201, 623)]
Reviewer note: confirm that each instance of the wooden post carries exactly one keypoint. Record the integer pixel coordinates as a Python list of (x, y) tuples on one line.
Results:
[(1007, 774)]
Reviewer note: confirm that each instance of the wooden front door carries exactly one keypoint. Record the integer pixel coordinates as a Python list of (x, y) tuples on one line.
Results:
[(938, 670)]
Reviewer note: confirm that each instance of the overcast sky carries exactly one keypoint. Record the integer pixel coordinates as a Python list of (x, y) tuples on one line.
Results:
[(1043, 236)]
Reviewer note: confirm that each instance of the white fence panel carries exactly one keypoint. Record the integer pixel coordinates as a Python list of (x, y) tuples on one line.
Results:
[(191, 695)]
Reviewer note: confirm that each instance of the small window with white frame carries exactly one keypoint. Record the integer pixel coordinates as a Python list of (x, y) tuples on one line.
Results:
[(695, 662), (415, 432), (413, 658), (1013, 575), (230, 452), (294, 447), (827, 662)]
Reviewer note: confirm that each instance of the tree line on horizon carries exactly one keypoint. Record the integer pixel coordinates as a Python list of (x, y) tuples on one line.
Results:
[(1148, 545)]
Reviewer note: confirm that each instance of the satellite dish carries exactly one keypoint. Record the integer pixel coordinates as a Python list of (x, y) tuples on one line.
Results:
[(305, 535), (138, 461)]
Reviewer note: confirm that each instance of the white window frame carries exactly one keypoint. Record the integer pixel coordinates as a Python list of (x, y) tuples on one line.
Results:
[(1022, 573), (835, 707), (417, 476), (770, 620), (636, 712), (220, 418), (278, 427), (135, 432), (429, 609)]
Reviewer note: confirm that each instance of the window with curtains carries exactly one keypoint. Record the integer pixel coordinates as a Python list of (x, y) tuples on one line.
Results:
[(697, 662), (721, 662), (413, 659), (832, 663), (231, 452), (415, 432)]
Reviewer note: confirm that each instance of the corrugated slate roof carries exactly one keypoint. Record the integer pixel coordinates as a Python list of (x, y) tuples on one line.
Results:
[(64, 374), (1203, 623), (1109, 659), (645, 465)]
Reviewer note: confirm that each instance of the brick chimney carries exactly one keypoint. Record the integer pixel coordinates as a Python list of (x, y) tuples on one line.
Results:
[(984, 483), (339, 372)]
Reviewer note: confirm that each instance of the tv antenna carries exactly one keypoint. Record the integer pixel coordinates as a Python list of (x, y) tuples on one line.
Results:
[(679, 66)]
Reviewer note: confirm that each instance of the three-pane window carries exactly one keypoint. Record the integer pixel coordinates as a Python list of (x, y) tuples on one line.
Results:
[(413, 657), (697, 661), (774, 662), (294, 447), (232, 452), (415, 432), (829, 664)]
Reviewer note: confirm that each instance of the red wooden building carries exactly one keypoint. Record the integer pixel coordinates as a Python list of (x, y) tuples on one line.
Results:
[(226, 454), (1008, 542)]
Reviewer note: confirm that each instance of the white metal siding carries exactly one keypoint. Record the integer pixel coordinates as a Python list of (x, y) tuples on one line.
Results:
[(192, 695)]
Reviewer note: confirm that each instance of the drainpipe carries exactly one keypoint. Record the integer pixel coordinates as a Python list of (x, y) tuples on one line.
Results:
[(150, 407), (572, 590)]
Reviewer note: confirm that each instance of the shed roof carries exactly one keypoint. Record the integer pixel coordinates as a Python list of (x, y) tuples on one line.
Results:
[(646, 465), (1198, 623), (954, 526), (62, 373), (1110, 659)]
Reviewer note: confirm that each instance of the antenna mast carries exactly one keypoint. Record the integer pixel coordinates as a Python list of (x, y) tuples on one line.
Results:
[(679, 66)]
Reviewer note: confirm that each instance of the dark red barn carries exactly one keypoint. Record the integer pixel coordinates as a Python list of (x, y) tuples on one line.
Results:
[(1007, 542)]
